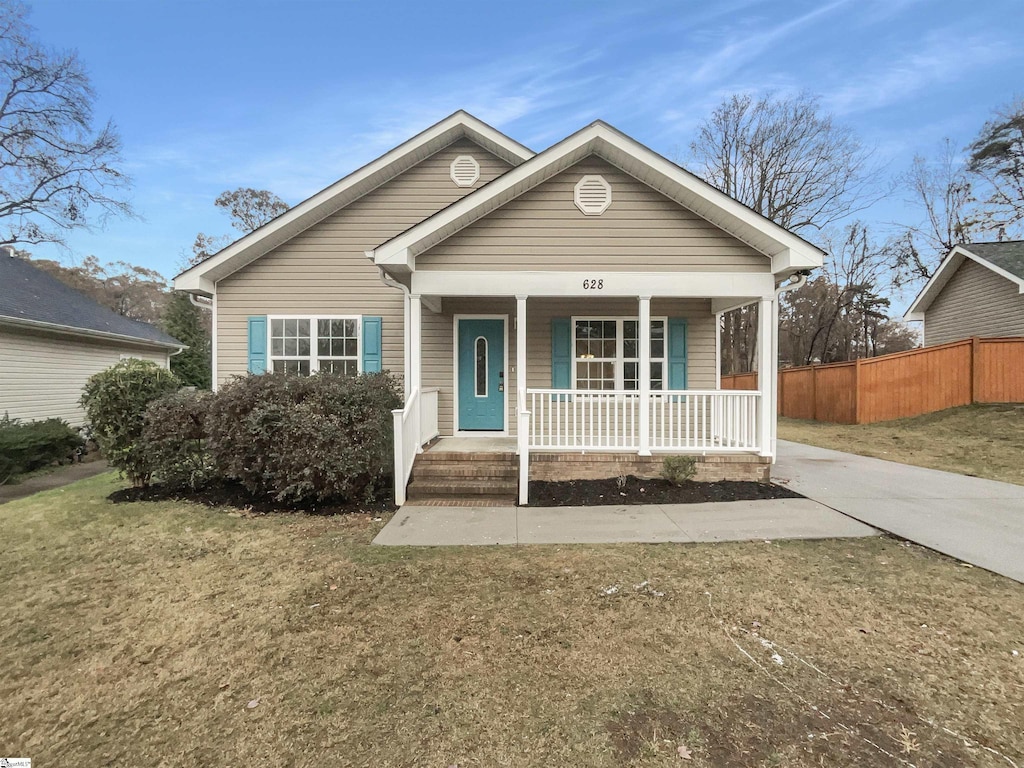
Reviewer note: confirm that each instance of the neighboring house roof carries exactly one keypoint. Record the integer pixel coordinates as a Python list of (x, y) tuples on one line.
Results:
[(32, 298), (1005, 258), (202, 277), (788, 252)]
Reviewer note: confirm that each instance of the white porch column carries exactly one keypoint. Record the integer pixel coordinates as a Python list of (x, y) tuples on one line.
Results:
[(644, 338), (520, 354), (767, 374), (415, 343)]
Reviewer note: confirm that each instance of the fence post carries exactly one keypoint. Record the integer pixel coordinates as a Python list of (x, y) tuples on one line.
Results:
[(975, 348), (814, 392), (856, 391)]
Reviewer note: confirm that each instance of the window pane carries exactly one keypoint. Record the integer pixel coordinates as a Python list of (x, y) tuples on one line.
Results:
[(629, 329), (340, 367), (277, 327), (657, 376), (481, 367), (303, 343), (276, 347), (658, 338), (630, 349), (300, 367)]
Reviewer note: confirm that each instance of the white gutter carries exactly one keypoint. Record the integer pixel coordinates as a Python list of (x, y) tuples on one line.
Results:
[(796, 281), (203, 303), (72, 331), (406, 352)]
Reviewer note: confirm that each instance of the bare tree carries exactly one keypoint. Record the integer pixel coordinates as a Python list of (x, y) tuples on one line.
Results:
[(997, 156), (250, 208), (785, 159), (943, 192), (56, 172)]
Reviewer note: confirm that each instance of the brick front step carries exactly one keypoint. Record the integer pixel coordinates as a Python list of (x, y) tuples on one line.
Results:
[(466, 478)]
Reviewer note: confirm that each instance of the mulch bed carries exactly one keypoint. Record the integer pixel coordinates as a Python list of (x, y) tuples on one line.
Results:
[(589, 493), (237, 497)]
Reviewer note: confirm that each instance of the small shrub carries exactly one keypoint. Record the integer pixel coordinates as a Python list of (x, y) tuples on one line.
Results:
[(173, 441), (679, 469), (115, 403), (305, 439), (25, 446)]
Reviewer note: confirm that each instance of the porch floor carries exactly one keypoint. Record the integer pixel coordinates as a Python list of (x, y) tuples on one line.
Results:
[(466, 444)]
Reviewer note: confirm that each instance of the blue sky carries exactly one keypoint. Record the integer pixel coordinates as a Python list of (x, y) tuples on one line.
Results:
[(290, 96)]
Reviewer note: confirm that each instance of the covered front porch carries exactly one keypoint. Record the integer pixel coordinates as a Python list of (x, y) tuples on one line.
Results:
[(579, 374)]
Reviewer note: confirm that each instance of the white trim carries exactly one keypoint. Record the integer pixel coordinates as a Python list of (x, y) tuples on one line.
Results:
[(953, 261), (202, 277), (455, 377), (692, 285), (645, 165), (314, 357), (213, 344)]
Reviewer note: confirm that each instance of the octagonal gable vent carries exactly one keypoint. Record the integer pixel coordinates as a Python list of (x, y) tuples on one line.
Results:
[(593, 195), (465, 171)]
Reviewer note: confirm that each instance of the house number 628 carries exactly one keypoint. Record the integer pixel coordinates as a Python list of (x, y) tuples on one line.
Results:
[(593, 285)]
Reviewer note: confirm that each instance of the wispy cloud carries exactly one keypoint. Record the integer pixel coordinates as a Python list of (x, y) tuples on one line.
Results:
[(942, 58)]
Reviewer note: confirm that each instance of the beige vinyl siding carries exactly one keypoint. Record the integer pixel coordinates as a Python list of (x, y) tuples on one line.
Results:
[(642, 230), (42, 374), (438, 341), (975, 302), (324, 270)]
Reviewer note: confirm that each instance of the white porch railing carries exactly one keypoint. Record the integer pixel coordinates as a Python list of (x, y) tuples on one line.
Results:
[(415, 425), (706, 421)]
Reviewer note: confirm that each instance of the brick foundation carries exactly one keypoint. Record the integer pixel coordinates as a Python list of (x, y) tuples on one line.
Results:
[(597, 466)]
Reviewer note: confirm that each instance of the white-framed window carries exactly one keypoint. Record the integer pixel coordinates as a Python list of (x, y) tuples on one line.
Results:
[(306, 345), (606, 353)]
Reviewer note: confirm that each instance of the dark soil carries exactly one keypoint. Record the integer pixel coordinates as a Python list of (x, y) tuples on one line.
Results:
[(237, 497), (590, 493)]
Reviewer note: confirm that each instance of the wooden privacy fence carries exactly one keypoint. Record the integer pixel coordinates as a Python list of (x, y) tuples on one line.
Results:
[(900, 385)]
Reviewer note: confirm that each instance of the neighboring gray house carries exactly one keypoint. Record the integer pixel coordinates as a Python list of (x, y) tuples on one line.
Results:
[(978, 290), (52, 339), (541, 308)]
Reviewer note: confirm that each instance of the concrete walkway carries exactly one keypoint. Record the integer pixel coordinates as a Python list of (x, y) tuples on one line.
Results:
[(57, 478), (648, 523), (977, 521)]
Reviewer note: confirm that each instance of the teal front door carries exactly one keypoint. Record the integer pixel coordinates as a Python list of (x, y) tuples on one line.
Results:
[(481, 366)]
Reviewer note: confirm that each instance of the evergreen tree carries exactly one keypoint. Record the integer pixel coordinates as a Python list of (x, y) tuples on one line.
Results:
[(184, 321)]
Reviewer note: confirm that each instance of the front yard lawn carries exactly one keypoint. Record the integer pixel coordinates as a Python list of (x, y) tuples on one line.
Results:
[(167, 634), (981, 440)]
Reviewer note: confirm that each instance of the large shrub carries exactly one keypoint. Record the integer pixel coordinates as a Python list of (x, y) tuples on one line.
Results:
[(25, 446), (173, 441), (305, 439), (115, 403)]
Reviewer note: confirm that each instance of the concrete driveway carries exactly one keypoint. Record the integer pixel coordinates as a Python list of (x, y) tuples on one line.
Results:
[(977, 521)]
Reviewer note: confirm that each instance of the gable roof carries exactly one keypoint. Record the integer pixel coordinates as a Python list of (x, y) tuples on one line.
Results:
[(202, 277), (1005, 258), (32, 298), (789, 252)]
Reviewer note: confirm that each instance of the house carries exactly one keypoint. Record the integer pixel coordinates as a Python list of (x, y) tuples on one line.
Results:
[(978, 290), (551, 314), (52, 339)]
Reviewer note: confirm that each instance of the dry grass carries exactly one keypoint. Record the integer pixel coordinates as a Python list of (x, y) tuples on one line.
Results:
[(979, 440), (136, 635)]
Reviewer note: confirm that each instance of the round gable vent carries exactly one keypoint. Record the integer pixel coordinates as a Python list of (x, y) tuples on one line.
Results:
[(593, 195), (465, 171)]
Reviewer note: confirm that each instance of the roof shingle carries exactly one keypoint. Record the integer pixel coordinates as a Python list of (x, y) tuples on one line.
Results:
[(29, 294)]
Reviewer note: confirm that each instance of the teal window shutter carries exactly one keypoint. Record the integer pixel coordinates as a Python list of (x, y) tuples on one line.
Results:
[(561, 353), (372, 344), (258, 344), (676, 353)]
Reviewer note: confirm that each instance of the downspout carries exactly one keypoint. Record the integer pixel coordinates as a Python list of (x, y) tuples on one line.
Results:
[(795, 281), (202, 304), (392, 283)]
